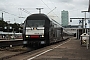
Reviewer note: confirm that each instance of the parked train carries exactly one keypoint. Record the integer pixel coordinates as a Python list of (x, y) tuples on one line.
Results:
[(40, 30)]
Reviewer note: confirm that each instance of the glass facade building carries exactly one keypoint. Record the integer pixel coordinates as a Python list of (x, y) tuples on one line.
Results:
[(64, 18)]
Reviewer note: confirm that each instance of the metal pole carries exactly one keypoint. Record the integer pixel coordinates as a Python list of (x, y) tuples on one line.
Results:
[(82, 25), (85, 22), (13, 34), (2, 16), (89, 26)]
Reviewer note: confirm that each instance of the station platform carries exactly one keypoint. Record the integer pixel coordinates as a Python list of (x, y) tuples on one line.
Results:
[(13, 42), (68, 50), (10, 40)]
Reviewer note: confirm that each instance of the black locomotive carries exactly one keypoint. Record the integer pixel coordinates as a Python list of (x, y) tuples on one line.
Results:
[(40, 30)]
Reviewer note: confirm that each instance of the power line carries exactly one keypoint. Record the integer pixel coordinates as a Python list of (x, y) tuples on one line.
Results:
[(54, 13), (9, 13), (51, 10), (25, 10), (52, 3), (48, 7), (46, 4)]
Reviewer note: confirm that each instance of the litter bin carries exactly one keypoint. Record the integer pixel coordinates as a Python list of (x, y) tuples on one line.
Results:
[(84, 39)]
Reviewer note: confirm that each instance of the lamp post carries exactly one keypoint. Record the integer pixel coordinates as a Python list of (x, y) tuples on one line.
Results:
[(85, 20), (2, 16)]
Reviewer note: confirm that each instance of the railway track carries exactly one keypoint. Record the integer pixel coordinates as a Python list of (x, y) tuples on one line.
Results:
[(18, 51), (9, 52), (10, 43)]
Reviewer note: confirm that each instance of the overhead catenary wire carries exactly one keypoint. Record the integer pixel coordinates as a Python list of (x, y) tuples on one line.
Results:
[(51, 10), (25, 10), (54, 13), (52, 3), (48, 7), (46, 4)]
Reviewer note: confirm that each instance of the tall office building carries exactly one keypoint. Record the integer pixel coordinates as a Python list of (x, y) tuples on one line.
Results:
[(64, 18)]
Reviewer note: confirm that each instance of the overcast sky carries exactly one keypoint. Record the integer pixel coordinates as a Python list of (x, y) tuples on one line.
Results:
[(13, 9)]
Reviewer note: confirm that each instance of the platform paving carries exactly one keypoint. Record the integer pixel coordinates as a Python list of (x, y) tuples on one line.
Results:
[(72, 50)]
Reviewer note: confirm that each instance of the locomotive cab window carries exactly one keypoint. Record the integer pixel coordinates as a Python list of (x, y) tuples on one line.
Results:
[(35, 23)]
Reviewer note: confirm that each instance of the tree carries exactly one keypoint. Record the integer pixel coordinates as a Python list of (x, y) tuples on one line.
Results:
[(14, 26), (2, 24)]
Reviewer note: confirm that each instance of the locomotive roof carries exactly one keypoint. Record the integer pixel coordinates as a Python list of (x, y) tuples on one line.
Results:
[(37, 15)]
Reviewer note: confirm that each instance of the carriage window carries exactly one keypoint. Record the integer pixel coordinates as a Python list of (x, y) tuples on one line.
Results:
[(35, 23)]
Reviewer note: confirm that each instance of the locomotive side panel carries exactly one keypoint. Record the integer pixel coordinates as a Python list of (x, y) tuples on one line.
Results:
[(55, 35)]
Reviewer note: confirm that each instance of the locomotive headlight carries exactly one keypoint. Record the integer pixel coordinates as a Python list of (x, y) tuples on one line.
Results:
[(27, 36), (42, 42), (24, 42), (42, 35)]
